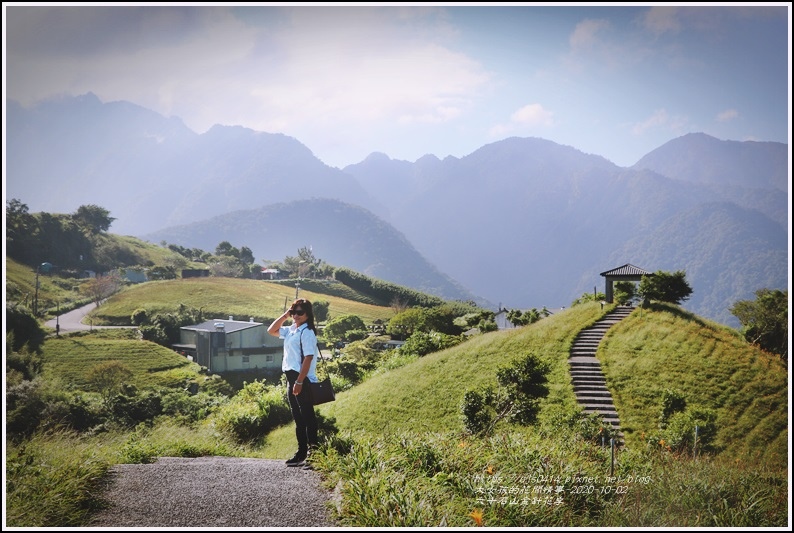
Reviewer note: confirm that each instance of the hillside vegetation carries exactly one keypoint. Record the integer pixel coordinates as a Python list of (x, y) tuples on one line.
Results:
[(221, 297), (712, 366), (648, 352), (400, 455)]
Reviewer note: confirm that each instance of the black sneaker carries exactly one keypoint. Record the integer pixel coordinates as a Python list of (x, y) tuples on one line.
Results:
[(307, 463), (297, 459)]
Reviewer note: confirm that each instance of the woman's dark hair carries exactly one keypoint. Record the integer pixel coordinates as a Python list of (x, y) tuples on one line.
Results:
[(306, 305)]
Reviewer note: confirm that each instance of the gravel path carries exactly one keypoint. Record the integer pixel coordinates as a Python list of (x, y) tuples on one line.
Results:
[(215, 492)]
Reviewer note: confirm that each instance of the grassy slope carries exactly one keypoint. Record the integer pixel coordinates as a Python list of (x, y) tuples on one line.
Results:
[(643, 355), (425, 396), (68, 360), (653, 350), (54, 292), (60, 294), (646, 353), (220, 297)]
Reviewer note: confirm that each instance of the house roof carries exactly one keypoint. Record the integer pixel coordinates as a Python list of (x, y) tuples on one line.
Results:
[(228, 325), (626, 270)]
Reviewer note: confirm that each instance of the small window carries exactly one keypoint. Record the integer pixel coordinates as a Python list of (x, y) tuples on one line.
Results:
[(245, 359), (269, 359)]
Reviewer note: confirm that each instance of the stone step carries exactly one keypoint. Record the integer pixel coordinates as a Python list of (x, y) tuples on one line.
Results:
[(595, 400), (594, 393), (584, 363), (589, 388), (586, 373), (588, 378), (606, 414), (589, 383)]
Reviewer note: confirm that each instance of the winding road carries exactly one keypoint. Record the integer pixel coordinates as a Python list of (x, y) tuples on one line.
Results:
[(72, 321)]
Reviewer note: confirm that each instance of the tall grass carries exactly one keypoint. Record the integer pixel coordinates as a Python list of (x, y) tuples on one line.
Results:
[(57, 479), (402, 457), (540, 479)]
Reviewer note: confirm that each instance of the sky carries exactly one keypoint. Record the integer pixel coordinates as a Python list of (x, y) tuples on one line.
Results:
[(410, 79)]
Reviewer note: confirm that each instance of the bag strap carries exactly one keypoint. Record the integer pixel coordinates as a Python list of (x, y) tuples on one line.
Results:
[(320, 353)]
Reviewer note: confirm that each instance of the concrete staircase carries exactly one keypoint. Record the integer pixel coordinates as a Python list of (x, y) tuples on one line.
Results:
[(589, 384)]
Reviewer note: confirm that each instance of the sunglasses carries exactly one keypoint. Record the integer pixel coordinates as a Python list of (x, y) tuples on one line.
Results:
[(298, 312)]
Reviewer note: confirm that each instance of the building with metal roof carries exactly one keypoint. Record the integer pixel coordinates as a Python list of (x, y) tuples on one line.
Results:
[(231, 345)]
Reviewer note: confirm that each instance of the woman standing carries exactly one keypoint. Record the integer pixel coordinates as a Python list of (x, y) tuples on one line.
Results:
[(298, 364)]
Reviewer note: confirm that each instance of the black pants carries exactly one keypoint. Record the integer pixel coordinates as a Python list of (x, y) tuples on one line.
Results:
[(302, 409)]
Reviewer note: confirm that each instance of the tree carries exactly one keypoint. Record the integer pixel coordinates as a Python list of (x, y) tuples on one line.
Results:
[(625, 292), (246, 255), (18, 222), (523, 318), (108, 378), (404, 324), (93, 219), (342, 328), (320, 308), (305, 265), (663, 286), (226, 249), (101, 287), (227, 267), (522, 385), (765, 320)]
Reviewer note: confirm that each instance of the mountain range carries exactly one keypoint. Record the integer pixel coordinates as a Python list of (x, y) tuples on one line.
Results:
[(519, 223)]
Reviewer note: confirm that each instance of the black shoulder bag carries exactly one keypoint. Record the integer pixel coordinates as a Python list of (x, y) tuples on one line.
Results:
[(322, 391)]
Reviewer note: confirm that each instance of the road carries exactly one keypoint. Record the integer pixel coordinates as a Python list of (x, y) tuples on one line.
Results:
[(72, 321)]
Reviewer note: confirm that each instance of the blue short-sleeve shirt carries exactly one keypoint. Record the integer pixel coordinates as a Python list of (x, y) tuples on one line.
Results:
[(293, 338)]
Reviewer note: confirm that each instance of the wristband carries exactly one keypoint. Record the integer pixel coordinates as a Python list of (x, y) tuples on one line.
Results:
[(298, 383)]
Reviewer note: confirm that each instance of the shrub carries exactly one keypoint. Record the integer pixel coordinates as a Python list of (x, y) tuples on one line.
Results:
[(255, 411), (188, 407), (421, 343), (139, 317), (131, 410), (680, 431), (522, 385), (673, 402), (26, 329), (24, 405), (477, 410)]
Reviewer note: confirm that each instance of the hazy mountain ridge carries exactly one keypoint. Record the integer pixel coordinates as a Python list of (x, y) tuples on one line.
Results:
[(541, 213), (375, 248), (152, 172), (524, 221)]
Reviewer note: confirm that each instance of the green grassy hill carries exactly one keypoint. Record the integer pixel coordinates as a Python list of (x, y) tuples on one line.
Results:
[(712, 366), (219, 297), (415, 464), (650, 351), (69, 359), (60, 294)]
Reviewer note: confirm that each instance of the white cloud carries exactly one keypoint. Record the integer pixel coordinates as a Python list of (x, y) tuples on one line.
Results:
[(318, 65), (660, 119), (533, 115), (662, 19), (528, 117), (585, 35), (728, 114)]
